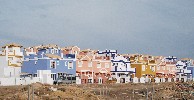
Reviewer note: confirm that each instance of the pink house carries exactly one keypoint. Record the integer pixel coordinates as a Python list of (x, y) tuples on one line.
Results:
[(92, 69), (166, 68)]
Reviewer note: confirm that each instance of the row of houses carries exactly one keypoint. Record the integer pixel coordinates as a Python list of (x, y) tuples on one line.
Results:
[(48, 63)]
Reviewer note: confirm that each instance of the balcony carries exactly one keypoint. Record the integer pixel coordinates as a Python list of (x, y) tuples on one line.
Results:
[(187, 71), (70, 56), (15, 63)]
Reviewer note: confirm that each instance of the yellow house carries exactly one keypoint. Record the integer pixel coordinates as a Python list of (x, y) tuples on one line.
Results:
[(145, 66)]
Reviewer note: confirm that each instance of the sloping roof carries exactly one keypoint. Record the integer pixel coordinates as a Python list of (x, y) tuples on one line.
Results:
[(80, 56), (89, 50), (12, 45), (186, 59), (51, 46), (53, 56), (68, 48), (46, 46)]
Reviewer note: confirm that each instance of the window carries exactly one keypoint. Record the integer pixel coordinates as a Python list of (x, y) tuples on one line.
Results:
[(52, 51), (35, 62), (89, 80), (65, 63), (56, 51), (143, 67), (163, 67), (80, 63), (158, 68), (70, 65), (98, 65), (90, 64), (57, 62), (27, 59), (47, 51), (106, 65), (53, 64), (153, 68)]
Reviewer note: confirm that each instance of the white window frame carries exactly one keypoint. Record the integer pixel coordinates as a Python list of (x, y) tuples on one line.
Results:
[(57, 62), (80, 63), (65, 63), (164, 67), (52, 51), (69, 65), (35, 62), (89, 64), (158, 67), (107, 65), (143, 68), (98, 65), (167, 67), (153, 68)]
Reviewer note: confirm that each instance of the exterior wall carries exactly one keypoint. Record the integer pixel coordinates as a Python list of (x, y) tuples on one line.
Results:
[(183, 72), (8, 71), (62, 66), (3, 64), (43, 61), (192, 71), (85, 71), (31, 68), (44, 64), (150, 70), (121, 69), (138, 71)]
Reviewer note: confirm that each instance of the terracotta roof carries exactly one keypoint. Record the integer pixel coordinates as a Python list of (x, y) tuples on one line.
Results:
[(12, 45), (80, 56), (68, 48), (51, 46), (185, 59), (46, 46), (53, 56), (88, 50)]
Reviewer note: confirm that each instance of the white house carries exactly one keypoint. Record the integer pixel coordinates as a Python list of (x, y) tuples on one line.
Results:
[(182, 71), (121, 69)]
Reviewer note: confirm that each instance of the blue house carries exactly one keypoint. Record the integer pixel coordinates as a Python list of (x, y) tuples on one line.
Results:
[(184, 70), (49, 58)]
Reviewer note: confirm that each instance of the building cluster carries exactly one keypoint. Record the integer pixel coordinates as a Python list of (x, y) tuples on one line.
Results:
[(49, 63)]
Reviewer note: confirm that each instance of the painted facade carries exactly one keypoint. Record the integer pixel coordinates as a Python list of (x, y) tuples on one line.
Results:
[(121, 69), (70, 50), (165, 68), (50, 57), (184, 70), (92, 68), (145, 66), (11, 60)]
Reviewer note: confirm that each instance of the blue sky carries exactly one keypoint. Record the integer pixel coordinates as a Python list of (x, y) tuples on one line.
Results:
[(156, 27)]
